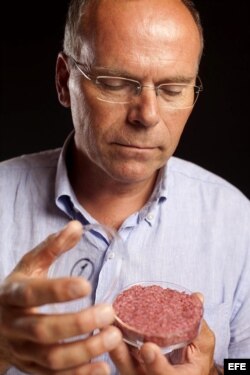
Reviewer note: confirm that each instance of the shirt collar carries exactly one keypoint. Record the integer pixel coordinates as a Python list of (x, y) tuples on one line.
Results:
[(159, 195), (66, 199)]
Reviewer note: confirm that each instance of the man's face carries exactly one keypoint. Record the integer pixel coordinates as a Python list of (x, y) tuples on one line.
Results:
[(153, 43)]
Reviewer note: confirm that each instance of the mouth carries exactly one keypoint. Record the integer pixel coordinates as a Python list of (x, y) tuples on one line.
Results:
[(136, 147), (142, 153)]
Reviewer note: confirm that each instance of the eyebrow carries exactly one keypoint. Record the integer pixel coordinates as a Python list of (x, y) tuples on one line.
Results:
[(101, 70)]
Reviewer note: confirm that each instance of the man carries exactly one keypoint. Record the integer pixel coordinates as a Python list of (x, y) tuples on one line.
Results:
[(128, 73)]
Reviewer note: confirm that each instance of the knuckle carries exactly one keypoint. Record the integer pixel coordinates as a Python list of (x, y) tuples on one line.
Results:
[(50, 238), (38, 331), (55, 289), (105, 340), (53, 241), (52, 358), (58, 243), (12, 293), (90, 349), (26, 294), (82, 323)]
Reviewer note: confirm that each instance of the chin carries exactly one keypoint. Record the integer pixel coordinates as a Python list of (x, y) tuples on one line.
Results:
[(133, 174)]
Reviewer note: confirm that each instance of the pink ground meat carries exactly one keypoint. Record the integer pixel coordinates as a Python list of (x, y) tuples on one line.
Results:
[(160, 315)]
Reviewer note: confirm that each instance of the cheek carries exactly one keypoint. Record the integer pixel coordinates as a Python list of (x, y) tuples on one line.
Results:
[(96, 125), (78, 104), (104, 120), (174, 126), (176, 123)]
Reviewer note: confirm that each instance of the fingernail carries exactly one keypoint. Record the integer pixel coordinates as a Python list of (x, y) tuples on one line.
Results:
[(70, 223), (111, 339), (104, 315), (148, 356)]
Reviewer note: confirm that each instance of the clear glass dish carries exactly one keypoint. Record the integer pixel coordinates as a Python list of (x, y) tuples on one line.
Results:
[(160, 312)]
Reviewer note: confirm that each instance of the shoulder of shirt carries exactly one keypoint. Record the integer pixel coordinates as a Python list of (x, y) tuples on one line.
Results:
[(197, 175), (43, 159)]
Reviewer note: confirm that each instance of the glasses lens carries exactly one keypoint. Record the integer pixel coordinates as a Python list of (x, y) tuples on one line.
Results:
[(124, 90), (177, 96), (116, 89)]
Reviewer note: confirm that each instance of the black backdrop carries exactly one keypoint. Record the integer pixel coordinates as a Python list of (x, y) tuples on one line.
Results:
[(217, 134)]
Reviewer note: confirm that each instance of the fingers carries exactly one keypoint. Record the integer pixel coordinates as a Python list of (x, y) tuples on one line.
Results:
[(38, 260), (68, 355), (36, 342), (154, 361), (49, 329), (199, 356), (25, 287), (203, 344), (200, 353), (26, 292), (123, 361), (47, 343), (206, 338), (98, 368), (150, 361)]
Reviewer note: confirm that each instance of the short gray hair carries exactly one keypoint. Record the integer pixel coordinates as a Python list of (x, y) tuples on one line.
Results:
[(73, 39), (196, 16)]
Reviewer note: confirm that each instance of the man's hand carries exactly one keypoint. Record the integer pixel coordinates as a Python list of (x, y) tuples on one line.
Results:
[(198, 359), (35, 342)]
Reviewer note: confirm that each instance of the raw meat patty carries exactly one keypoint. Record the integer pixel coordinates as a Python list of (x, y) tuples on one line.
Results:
[(160, 315)]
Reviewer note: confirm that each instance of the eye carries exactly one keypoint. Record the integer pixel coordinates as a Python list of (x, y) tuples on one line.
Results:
[(114, 83), (172, 90)]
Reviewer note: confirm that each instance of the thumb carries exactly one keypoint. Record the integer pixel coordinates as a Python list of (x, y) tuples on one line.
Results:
[(37, 261)]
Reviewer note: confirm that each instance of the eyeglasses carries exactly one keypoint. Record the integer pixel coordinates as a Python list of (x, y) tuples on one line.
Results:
[(122, 90)]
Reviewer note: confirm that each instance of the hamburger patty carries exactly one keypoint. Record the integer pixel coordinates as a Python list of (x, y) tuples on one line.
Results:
[(160, 315)]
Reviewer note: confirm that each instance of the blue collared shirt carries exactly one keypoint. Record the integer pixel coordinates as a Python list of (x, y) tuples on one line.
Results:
[(194, 231)]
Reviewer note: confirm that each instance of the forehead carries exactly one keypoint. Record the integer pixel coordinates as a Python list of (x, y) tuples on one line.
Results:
[(144, 36)]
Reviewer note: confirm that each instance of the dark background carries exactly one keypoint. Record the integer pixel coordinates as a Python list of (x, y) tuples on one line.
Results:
[(217, 133)]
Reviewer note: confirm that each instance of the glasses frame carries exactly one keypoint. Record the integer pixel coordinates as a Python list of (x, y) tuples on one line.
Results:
[(139, 86)]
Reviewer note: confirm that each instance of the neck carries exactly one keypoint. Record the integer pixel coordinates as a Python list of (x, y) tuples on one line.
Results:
[(107, 200)]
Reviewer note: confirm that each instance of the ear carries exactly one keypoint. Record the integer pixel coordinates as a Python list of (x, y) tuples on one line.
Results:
[(62, 79)]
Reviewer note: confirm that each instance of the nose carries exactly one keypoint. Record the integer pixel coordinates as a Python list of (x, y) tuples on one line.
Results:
[(144, 109)]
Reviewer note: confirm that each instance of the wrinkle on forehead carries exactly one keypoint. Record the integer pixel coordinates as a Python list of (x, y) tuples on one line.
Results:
[(145, 33)]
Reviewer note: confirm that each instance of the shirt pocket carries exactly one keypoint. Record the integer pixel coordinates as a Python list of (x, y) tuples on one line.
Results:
[(217, 317)]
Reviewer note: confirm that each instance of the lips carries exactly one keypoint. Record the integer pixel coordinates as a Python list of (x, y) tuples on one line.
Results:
[(135, 146)]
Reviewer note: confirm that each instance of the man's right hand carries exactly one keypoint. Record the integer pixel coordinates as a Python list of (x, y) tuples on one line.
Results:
[(35, 342)]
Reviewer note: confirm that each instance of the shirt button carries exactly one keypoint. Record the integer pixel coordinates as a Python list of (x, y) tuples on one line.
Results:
[(150, 216), (111, 255)]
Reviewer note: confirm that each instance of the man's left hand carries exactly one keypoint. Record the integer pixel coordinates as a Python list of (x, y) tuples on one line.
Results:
[(198, 361)]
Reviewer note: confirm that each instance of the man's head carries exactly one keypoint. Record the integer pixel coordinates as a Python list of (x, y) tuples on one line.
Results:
[(154, 42), (79, 11)]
